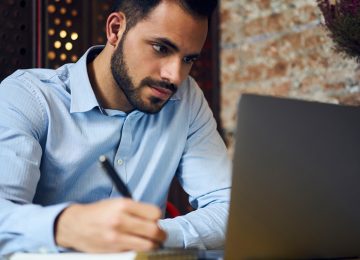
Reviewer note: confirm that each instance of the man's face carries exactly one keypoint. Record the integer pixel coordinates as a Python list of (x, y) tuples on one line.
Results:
[(156, 55)]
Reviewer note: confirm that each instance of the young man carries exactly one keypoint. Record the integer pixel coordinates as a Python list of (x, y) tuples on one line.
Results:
[(133, 101)]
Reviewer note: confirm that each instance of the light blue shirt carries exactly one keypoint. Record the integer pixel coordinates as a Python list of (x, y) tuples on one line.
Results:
[(52, 131)]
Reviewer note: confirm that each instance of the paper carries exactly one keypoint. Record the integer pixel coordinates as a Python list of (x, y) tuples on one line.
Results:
[(173, 253), (74, 256)]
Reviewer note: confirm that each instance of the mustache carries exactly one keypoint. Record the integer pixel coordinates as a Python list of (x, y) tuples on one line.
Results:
[(163, 84)]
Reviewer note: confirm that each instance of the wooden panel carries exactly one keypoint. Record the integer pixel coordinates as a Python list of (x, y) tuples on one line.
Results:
[(100, 12), (206, 70), (65, 31), (16, 36)]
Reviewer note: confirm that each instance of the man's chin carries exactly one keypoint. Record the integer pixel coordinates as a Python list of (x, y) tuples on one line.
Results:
[(151, 110), (152, 107)]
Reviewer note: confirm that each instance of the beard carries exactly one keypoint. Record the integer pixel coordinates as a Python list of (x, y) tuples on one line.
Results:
[(120, 73)]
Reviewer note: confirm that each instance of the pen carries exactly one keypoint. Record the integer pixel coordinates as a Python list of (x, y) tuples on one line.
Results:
[(120, 185), (110, 171)]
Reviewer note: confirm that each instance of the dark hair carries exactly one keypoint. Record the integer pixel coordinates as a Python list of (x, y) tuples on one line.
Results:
[(137, 10)]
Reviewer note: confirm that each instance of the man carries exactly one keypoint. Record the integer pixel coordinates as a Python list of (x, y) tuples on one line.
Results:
[(133, 101)]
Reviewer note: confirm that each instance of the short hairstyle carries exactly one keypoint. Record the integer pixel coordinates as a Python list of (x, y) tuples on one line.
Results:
[(137, 10)]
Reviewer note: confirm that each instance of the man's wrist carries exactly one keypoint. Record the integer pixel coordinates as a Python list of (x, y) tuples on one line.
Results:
[(62, 226)]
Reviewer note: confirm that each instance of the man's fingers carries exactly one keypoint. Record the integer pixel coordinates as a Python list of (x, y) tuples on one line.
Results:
[(130, 242), (144, 228), (142, 210), (110, 226), (118, 242)]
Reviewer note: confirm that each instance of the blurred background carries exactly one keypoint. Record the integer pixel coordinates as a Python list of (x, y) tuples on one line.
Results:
[(281, 48), (272, 47)]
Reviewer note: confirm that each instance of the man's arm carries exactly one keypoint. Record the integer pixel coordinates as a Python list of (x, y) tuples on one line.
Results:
[(31, 228), (205, 174), (203, 228), (23, 226)]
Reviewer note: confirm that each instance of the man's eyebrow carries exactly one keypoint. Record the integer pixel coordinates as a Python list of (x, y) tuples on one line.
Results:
[(193, 56), (169, 43), (173, 46)]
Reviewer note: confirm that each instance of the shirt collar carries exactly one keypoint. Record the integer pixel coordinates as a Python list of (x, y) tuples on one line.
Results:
[(82, 95)]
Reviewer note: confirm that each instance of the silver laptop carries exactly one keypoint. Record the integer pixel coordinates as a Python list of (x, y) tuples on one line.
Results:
[(296, 181)]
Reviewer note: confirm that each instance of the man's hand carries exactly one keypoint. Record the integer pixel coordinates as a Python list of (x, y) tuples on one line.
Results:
[(109, 226)]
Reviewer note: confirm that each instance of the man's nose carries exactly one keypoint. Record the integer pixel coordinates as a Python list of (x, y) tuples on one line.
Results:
[(173, 71)]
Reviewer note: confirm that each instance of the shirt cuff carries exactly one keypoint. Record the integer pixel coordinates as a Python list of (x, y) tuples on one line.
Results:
[(175, 236), (43, 231)]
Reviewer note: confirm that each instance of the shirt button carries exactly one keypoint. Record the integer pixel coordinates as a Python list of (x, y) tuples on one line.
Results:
[(120, 162)]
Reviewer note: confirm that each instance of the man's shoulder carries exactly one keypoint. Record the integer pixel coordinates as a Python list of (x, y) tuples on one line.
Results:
[(37, 80), (189, 89), (42, 88), (36, 74)]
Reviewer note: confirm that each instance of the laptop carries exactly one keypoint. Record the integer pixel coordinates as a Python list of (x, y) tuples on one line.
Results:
[(296, 181)]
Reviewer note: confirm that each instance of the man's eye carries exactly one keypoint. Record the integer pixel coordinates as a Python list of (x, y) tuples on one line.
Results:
[(160, 48), (189, 60)]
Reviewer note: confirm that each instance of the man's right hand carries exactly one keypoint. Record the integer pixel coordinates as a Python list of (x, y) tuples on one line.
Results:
[(112, 225)]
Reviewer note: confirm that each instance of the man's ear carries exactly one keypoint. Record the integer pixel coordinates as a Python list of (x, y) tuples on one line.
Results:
[(115, 27)]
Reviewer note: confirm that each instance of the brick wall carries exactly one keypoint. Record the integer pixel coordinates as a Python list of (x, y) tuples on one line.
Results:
[(279, 47)]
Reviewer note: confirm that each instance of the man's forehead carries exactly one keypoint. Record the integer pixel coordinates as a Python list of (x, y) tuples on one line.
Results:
[(172, 22)]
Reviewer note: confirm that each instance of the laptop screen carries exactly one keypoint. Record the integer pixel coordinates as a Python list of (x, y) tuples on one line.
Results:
[(296, 178)]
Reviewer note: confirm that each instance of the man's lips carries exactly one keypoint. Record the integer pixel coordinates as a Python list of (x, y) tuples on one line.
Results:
[(161, 93)]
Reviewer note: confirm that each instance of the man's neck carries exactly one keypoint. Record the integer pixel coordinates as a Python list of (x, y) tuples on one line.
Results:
[(107, 92)]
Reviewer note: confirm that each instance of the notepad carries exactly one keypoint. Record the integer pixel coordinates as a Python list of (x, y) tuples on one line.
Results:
[(73, 256), (186, 254)]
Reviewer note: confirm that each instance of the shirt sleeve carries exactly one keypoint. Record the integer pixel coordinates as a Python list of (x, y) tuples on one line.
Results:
[(205, 174), (23, 225)]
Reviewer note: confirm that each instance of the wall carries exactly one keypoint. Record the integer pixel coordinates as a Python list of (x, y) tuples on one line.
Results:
[(279, 47)]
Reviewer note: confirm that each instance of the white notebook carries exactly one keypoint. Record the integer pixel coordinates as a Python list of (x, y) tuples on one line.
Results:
[(74, 256), (173, 253)]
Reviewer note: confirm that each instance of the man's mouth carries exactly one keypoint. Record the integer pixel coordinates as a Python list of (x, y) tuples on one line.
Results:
[(161, 93)]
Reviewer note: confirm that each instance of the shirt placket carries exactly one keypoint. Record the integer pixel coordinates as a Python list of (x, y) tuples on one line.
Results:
[(124, 149)]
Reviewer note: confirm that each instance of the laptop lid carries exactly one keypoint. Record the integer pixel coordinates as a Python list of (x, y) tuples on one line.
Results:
[(296, 180)]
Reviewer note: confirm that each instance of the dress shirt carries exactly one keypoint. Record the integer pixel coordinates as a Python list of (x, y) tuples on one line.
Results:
[(52, 132)]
